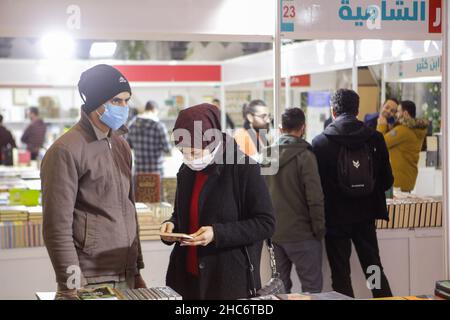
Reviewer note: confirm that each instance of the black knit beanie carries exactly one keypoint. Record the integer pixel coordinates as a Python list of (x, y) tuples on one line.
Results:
[(99, 84)]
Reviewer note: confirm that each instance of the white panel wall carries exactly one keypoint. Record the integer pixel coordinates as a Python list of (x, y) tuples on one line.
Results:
[(140, 19)]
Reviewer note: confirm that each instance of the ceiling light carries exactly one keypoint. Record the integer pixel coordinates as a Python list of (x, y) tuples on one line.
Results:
[(102, 49)]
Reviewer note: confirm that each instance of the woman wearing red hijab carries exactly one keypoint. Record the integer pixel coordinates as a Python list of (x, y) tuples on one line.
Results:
[(224, 206)]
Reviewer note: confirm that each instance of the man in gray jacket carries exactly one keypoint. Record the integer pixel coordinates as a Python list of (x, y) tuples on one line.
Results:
[(298, 201), (90, 223)]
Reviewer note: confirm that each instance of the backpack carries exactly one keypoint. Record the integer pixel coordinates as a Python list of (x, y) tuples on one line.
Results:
[(355, 171)]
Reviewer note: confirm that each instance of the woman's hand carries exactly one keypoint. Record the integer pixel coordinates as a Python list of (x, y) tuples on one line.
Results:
[(168, 228), (203, 237)]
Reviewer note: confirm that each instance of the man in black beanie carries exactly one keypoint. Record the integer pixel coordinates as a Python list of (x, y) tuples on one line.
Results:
[(90, 222)]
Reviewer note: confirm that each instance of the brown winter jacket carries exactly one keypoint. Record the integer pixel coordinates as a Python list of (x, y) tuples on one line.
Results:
[(88, 206)]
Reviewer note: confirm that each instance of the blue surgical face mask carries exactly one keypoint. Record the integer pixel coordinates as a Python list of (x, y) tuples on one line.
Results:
[(114, 116)]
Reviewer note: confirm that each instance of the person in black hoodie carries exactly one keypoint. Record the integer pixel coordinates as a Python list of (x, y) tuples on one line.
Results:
[(348, 218)]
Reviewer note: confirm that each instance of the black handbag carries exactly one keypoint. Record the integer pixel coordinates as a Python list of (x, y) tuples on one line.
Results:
[(275, 285)]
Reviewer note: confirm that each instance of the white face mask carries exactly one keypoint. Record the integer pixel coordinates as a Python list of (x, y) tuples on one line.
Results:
[(201, 163)]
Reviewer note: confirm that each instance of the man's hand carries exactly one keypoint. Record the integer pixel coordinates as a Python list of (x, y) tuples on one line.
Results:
[(168, 228), (382, 120), (139, 282), (203, 237)]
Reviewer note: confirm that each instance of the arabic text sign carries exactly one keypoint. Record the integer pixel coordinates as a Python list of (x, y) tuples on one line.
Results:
[(424, 67), (361, 19)]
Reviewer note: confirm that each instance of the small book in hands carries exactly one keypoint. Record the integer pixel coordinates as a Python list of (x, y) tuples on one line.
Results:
[(179, 236)]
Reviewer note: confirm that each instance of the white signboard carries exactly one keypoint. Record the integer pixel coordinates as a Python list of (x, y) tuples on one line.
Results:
[(418, 68), (361, 19)]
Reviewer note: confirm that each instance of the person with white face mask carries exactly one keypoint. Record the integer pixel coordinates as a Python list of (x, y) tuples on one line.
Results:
[(88, 206), (209, 262)]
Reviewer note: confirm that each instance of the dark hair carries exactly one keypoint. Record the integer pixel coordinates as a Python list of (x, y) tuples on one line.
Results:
[(151, 105), (34, 110), (250, 108), (409, 106), (1, 118), (345, 101), (292, 119), (216, 101), (391, 99)]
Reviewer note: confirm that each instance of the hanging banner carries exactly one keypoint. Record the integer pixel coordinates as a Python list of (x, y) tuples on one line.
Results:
[(361, 19)]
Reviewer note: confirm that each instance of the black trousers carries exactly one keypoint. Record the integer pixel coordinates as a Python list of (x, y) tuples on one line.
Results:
[(338, 243)]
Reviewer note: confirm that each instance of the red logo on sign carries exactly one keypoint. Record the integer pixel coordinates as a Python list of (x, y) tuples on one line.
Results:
[(435, 16)]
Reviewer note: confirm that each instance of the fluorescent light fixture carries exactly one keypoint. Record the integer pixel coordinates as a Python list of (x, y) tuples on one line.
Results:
[(102, 49), (371, 50), (57, 45), (339, 51), (397, 48)]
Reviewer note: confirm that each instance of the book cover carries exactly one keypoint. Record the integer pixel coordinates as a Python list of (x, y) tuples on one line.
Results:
[(401, 215), (100, 293), (439, 215), (423, 213), (147, 187), (443, 285), (412, 215), (428, 214), (392, 216), (418, 209), (379, 223), (406, 219), (442, 294), (433, 214), (396, 216)]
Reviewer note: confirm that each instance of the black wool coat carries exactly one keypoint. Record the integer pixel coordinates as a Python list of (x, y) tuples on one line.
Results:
[(223, 267)]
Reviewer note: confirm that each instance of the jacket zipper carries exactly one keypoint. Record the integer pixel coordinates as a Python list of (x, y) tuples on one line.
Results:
[(122, 203)]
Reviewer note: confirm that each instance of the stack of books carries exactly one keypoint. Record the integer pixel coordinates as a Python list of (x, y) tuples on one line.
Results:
[(20, 234), (419, 297), (412, 213), (333, 295), (150, 218), (13, 213), (21, 226), (169, 187), (442, 289), (156, 293), (35, 214)]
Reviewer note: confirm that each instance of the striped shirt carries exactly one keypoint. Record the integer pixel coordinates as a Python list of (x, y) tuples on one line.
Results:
[(149, 140)]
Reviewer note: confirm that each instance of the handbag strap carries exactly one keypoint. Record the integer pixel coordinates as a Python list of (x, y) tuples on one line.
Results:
[(269, 243)]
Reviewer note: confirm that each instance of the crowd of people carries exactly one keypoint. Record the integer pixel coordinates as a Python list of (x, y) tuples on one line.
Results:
[(330, 191)]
